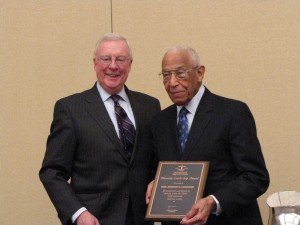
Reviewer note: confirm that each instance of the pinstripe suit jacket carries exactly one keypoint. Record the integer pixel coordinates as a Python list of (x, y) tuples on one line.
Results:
[(85, 164), (224, 133)]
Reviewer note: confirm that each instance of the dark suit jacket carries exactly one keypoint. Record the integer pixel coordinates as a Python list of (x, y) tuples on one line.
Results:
[(83, 147), (224, 133)]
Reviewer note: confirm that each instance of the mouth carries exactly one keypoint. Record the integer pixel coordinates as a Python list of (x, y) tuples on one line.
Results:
[(176, 92), (113, 75)]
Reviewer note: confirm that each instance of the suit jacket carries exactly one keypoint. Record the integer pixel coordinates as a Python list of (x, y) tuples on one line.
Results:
[(223, 132), (85, 164)]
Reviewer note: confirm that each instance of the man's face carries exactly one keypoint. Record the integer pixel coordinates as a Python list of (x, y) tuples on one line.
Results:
[(181, 91), (112, 65)]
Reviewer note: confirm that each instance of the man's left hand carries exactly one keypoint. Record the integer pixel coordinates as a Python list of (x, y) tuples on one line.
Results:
[(200, 212)]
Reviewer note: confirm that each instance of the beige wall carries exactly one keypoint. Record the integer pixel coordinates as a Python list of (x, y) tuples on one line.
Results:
[(251, 50)]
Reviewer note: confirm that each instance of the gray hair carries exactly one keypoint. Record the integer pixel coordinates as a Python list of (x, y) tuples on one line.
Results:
[(192, 53), (112, 37)]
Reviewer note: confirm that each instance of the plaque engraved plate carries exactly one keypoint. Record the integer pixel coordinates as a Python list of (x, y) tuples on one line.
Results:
[(178, 185)]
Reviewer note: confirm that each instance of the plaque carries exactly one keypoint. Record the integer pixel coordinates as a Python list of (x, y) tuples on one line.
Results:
[(177, 187)]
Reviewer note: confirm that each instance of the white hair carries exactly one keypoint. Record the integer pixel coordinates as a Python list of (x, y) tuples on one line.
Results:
[(112, 37)]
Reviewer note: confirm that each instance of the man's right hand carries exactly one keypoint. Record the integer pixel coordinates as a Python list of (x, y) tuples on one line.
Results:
[(86, 218), (149, 191)]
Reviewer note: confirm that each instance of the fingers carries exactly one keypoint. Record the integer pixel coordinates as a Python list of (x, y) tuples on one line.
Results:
[(149, 191), (86, 218), (199, 213), (195, 217)]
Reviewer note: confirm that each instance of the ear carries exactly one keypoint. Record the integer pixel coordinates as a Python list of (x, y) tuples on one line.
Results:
[(129, 65), (201, 71)]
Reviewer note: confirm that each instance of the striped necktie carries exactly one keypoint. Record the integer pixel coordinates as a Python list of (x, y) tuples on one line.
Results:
[(126, 128)]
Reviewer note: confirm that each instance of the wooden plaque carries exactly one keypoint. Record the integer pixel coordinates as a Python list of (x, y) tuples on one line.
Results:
[(177, 187)]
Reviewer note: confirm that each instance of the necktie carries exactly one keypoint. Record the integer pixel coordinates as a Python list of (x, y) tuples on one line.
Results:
[(183, 128), (126, 128)]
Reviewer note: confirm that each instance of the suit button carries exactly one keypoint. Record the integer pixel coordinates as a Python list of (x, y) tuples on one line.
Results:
[(126, 195)]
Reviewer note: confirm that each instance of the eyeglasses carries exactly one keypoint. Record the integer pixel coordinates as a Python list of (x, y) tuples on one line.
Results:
[(179, 73), (120, 60)]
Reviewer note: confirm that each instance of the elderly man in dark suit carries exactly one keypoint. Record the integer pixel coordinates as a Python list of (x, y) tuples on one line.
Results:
[(202, 126), (97, 165)]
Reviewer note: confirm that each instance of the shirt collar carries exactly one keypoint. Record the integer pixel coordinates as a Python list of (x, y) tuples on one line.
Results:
[(192, 105), (105, 96)]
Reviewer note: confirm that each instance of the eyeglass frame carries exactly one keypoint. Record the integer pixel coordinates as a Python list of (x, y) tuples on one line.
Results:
[(184, 73), (119, 60)]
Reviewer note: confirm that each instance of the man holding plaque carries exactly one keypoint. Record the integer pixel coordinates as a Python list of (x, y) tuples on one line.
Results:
[(201, 126)]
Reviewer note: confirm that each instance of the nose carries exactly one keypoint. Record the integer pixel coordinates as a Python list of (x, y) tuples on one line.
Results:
[(173, 80), (113, 64)]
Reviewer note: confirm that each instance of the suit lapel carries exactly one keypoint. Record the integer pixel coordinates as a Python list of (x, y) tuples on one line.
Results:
[(201, 119), (138, 113), (97, 110), (171, 133)]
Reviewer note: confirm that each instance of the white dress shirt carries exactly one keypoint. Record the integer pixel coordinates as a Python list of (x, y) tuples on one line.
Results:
[(110, 106)]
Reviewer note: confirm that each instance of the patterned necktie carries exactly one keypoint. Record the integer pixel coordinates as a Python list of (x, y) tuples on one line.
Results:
[(126, 128), (183, 128)]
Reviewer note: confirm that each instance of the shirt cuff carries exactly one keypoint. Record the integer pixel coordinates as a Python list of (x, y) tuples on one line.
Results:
[(78, 212), (219, 208)]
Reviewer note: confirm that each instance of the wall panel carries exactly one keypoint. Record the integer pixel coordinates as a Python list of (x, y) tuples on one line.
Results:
[(46, 53)]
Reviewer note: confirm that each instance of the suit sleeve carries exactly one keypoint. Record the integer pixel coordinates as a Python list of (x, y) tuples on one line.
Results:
[(252, 178), (57, 164)]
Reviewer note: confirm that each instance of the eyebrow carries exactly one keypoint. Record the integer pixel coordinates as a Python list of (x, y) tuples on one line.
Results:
[(177, 68)]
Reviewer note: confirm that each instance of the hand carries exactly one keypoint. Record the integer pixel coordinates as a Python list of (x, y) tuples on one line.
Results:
[(149, 191), (86, 218), (200, 212)]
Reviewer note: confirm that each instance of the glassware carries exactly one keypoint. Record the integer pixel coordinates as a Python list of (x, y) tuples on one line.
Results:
[(284, 208)]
